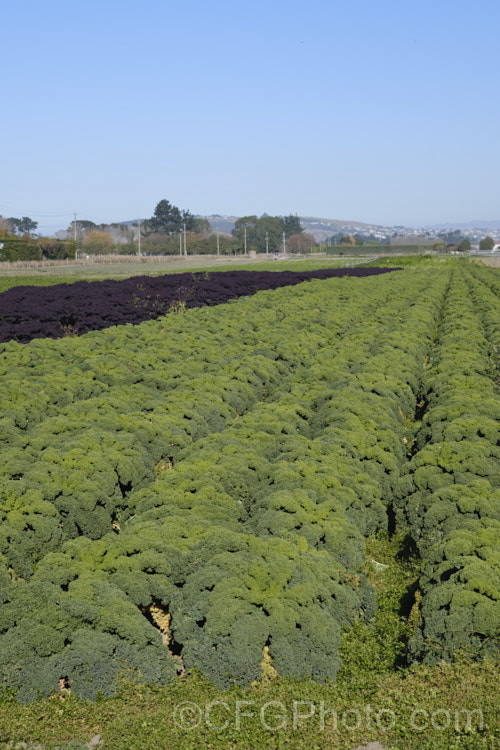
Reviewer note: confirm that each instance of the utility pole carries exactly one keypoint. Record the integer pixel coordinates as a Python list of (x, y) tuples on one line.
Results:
[(218, 248), (180, 242), (185, 243), (139, 237), (245, 246), (74, 233), (267, 243), (284, 244)]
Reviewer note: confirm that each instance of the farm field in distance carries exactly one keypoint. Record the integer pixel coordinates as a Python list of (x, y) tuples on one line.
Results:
[(58, 274), (270, 522), (74, 309)]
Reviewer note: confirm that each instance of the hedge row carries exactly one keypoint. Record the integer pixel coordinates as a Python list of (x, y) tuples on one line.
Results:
[(18, 248)]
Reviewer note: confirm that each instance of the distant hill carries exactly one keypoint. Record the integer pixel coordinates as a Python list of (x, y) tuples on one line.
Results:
[(321, 229), (474, 224), (220, 222)]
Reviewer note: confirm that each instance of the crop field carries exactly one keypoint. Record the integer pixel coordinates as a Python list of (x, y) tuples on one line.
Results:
[(68, 273), (54, 311), (242, 523)]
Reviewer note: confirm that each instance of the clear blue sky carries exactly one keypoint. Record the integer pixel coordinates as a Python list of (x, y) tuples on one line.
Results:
[(382, 111)]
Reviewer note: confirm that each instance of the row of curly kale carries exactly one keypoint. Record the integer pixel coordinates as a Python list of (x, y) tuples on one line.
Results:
[(253, 539), (96, 415), (486, 297), (489, 276), (451, 496)]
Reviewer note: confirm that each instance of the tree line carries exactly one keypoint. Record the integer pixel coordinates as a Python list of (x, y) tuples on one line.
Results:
[(163, 233)]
